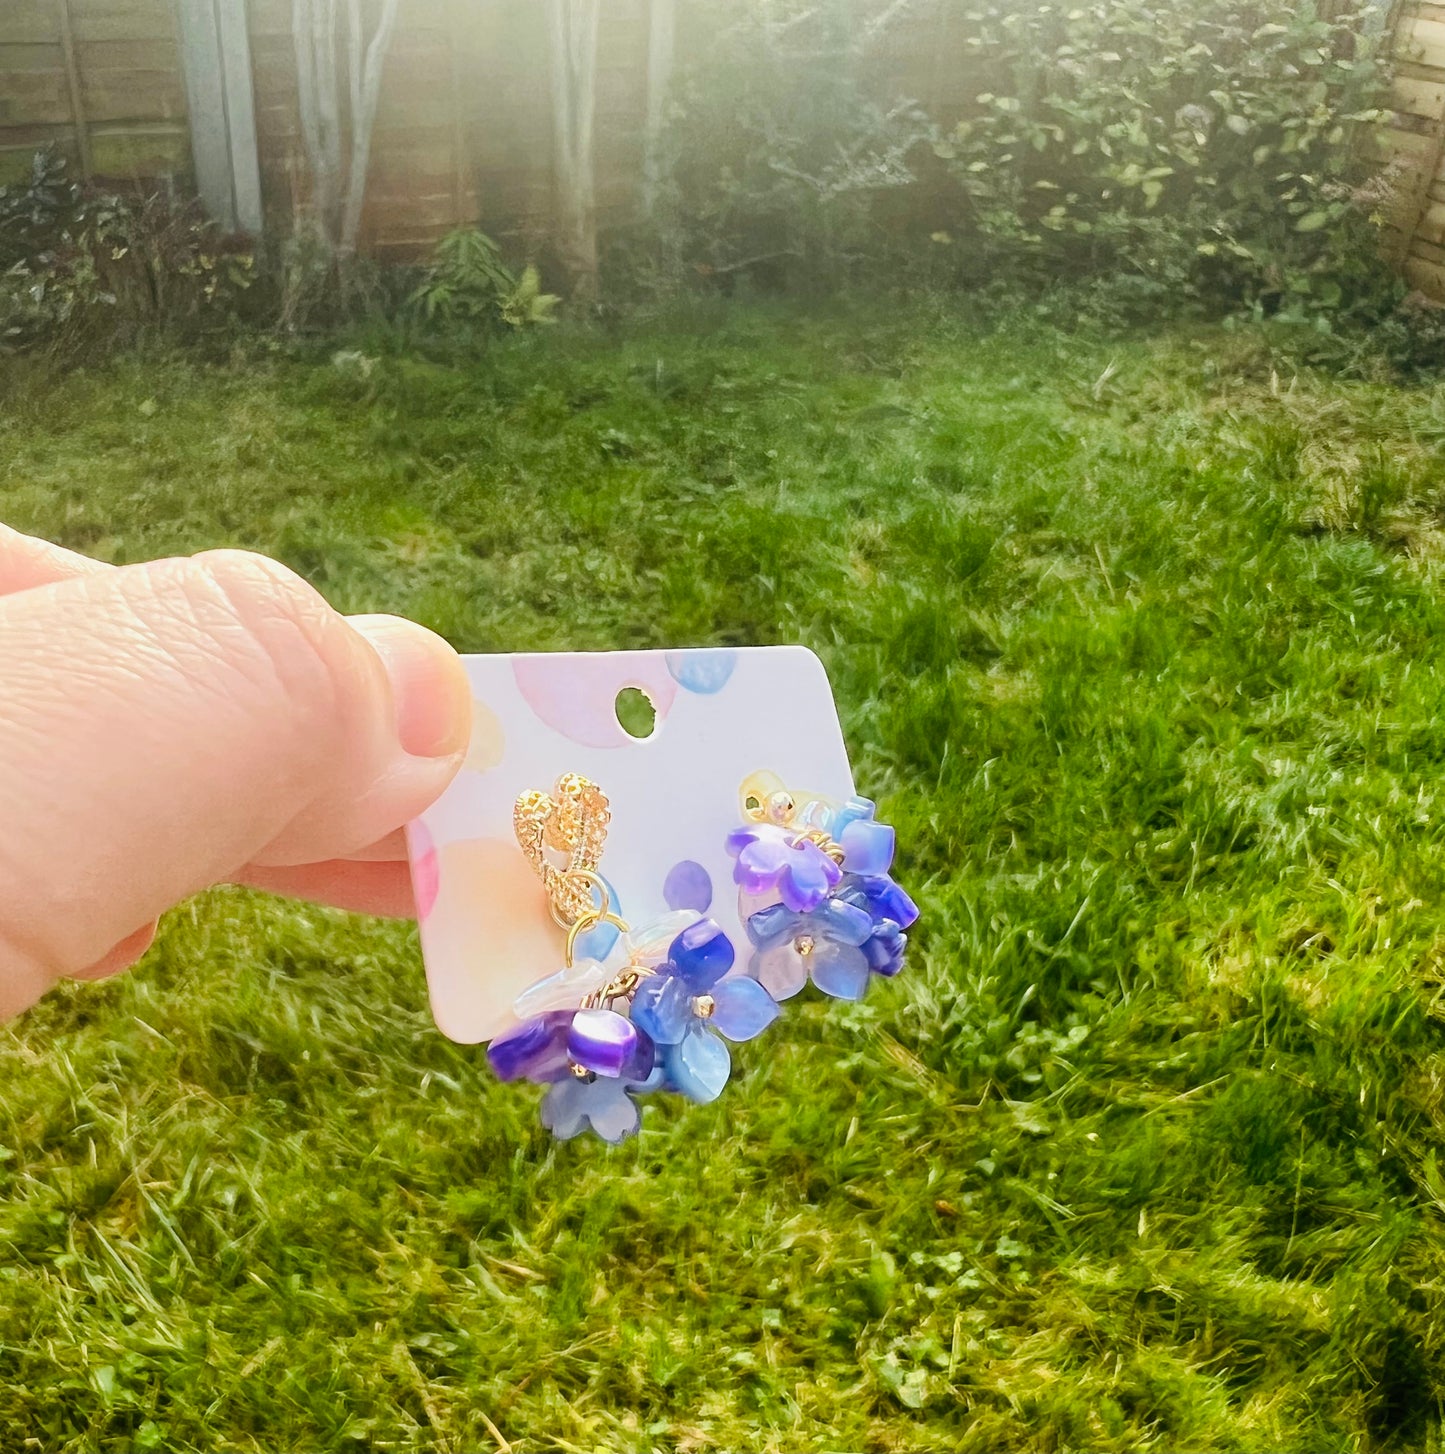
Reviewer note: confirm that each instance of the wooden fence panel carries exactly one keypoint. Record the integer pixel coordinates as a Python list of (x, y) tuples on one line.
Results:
[(121, 108), (1415, 145)]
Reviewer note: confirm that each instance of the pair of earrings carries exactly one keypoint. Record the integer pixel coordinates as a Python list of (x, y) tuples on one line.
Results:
[(638, 1010)]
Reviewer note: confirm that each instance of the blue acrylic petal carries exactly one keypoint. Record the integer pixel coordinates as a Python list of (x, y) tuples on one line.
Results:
[(656, 1079), (597, 943), (612, 1112), (855, 810), (886, 900), (884, 950), (839, 970), (571, 1107), (662, 1008), (564, 1108), (742, 1008), (701, 955), (771, 923), (851, 892), (867, 847), (846, 923), (700, 1066)]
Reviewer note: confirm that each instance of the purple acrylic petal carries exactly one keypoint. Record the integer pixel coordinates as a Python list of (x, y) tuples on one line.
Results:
[(601, 1041), (761, 865), (809, 878), (742, 1008), (535, 1050), (688, 885), (639, 1065)]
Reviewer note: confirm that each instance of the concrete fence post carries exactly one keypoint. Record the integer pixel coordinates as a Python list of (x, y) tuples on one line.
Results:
[(216, 59)]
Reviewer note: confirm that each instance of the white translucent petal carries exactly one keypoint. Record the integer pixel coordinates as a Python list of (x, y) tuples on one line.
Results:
[(649, 944), (564, 990), (750, 904), (781, 970)]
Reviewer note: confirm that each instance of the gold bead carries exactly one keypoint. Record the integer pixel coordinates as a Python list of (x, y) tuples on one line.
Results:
[(781, 808)]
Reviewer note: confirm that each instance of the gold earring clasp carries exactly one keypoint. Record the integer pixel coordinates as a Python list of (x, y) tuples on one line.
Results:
[(572, 820)]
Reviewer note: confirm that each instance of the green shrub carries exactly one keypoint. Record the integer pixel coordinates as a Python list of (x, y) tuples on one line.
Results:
[(80, 268), (467, 282), (1152, 156), (1214, 151)]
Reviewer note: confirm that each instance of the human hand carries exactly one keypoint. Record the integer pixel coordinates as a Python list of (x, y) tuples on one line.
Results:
[(168, 726)]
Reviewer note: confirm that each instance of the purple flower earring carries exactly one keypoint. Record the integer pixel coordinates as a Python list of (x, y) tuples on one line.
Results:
[(815, 892), (652, 1012)]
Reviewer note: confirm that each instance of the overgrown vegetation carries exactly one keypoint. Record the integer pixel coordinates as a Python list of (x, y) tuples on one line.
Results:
[(780, 151), (1217, 151), (1139, 644), (83, 269), (1214, 158), (1125, 158)]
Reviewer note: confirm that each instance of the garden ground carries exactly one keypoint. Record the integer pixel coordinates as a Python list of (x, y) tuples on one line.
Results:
[(1140, 645)]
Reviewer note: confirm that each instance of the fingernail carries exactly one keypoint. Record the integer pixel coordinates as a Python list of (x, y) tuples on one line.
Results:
[(429, 686)]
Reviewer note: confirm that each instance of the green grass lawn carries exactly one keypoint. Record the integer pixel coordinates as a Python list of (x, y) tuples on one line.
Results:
[(1139, 644)]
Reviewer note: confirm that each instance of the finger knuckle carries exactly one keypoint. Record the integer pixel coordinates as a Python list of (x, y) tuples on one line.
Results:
[(280, 620)]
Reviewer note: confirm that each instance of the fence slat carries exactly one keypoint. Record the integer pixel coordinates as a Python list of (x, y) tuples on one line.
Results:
[(72, 81)]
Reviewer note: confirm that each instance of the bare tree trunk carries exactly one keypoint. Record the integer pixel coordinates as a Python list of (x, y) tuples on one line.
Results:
[(313, 36), (365, 93), (572, 25), (314, 26), (661, 47)]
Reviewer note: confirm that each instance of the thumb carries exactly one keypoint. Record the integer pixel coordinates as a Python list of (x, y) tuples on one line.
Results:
[(162, 726)]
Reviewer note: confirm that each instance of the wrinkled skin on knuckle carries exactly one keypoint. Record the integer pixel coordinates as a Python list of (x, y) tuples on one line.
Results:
[(281, 643)]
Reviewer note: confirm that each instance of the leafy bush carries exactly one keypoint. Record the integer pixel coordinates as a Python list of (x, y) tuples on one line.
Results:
[(79, 267), (1211, 150), (467, 282), (1213, 155), (778, 153)]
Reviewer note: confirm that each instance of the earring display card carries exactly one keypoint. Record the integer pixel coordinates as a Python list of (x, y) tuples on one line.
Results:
[(726, 719)]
